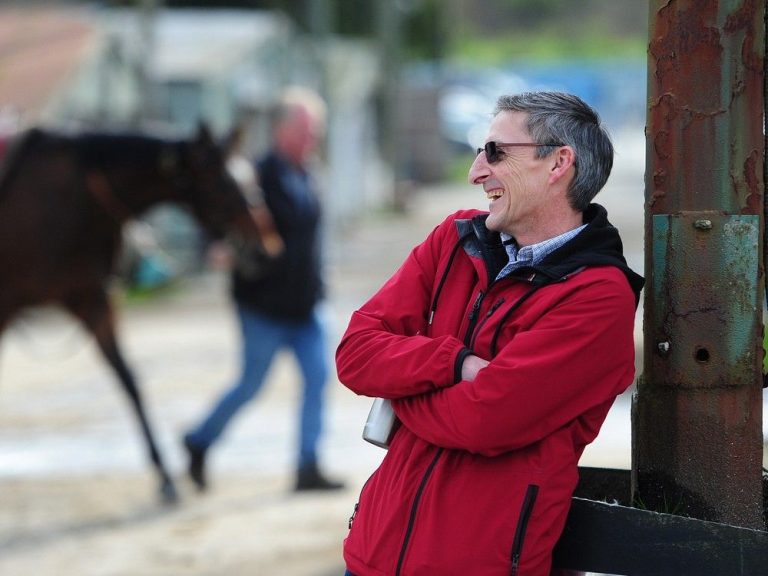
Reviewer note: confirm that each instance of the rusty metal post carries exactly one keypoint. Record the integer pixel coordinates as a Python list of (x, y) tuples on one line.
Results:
[(697, 413)]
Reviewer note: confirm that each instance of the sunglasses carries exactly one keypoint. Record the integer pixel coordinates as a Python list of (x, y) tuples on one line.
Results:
[(493, 154)]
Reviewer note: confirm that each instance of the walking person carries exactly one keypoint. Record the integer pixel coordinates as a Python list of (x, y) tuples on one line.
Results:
[(279, 309), (502, 342)]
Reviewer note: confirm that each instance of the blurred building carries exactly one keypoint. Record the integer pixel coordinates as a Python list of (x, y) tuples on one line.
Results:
[(175, 68), (164, 69), (40, 51)]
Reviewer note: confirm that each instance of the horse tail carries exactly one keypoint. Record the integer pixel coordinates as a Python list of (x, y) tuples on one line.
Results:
[(17, 148)]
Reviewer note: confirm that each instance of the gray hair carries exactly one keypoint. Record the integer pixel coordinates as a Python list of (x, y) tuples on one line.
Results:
[(567, 120), (293, 98)]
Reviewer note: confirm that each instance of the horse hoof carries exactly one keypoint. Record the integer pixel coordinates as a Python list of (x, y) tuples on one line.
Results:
[(168, 493)]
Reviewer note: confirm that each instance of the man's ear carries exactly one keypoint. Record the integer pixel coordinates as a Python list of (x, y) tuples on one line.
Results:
[(562, 161)]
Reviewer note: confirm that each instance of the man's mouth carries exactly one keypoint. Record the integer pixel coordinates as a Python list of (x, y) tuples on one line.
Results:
[(494, 194)]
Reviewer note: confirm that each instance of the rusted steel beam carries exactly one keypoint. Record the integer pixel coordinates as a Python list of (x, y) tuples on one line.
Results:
[(697, 413)]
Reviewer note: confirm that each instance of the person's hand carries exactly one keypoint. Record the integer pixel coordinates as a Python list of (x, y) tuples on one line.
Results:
[(270, 239), (471, 366), (220, 256)]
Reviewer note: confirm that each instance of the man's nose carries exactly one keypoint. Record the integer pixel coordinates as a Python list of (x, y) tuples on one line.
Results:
[(479, 171)]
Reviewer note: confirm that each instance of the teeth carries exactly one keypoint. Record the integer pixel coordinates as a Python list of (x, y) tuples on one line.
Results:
[(493, 194)]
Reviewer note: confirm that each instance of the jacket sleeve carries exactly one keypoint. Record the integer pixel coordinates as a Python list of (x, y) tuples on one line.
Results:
[(577, 357), (384, 351)]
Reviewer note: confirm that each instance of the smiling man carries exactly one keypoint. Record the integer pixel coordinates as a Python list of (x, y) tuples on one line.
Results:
[(502, 342)]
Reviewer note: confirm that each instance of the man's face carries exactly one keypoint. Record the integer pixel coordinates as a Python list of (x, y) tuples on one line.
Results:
[(515, 185), (298, 136)]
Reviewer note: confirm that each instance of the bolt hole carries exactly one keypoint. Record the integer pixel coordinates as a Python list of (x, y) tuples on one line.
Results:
[(702, 355)]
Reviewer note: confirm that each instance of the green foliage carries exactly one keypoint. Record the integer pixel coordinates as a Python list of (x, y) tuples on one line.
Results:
[(424, 37), (139, 294), (497, 31), (458, 167), (676, 507), (484, 31), (550, 45), (354, 18)]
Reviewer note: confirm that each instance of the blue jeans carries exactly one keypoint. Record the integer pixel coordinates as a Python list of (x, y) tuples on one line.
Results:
[(262, 337)]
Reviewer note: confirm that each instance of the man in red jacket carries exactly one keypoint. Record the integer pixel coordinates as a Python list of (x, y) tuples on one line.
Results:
[(502, 342)]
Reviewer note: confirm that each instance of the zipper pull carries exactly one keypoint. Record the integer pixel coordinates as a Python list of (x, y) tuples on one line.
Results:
[(476, 306), (354, 513), (515, 563), (495, 307)]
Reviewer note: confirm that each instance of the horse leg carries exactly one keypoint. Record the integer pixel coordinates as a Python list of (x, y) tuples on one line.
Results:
[(95, 311)]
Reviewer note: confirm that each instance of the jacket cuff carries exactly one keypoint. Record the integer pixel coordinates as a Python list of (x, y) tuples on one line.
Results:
[(463, 353)]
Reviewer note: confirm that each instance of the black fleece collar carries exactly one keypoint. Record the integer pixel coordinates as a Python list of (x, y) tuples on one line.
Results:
[(599, 244)]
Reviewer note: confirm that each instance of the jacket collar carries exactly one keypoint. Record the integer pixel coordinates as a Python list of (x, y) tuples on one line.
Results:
[(599, 244)]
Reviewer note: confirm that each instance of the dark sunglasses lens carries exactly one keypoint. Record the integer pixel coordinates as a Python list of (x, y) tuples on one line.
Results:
[(491, 153)]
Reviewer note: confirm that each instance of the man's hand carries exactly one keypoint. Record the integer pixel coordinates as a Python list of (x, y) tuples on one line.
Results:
[(471, 366), (219, 255)]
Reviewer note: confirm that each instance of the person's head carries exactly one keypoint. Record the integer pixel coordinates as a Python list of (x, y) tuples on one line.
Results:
[(298, 124), (565, 160)]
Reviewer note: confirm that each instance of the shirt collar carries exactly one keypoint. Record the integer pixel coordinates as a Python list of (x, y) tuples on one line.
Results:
[(535, 253)]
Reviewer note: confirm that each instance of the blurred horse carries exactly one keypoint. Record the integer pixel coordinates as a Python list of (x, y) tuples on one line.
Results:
[(64, 199)]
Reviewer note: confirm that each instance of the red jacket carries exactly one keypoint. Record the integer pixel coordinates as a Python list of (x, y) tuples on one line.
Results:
[(478, 479)]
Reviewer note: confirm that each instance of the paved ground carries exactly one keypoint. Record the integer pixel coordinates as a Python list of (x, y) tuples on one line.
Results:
[(76, 496)]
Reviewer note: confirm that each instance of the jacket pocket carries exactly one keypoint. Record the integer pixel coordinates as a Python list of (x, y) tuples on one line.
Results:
[(522, 526)]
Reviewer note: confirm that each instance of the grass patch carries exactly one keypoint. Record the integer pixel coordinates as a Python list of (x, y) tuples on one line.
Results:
[(546, 47), (458, 167), (140, 295)]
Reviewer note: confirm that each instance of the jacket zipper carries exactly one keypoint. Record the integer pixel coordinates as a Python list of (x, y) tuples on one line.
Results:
[(522, 526), (357, 504), (414, 509), (354, 513), (511, 310), (473, 317), (485, 319)]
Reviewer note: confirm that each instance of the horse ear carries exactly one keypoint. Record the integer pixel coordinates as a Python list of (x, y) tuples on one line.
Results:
[(233, 140), (204, 135)]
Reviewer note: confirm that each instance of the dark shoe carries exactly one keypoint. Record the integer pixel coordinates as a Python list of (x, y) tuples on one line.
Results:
[(310, 478), (196, 467)]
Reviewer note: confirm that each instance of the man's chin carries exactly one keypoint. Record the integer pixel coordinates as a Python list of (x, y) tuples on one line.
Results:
[(492, 223)]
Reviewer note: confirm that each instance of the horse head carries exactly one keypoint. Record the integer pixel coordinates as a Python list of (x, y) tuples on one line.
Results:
[(223, 193)]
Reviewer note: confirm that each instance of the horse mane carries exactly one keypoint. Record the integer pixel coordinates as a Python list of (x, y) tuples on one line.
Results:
[(92, 148), (99, 148), (95, 148)]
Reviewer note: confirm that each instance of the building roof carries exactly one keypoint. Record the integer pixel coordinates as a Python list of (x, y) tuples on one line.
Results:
[(192, 44), (40, 48)]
